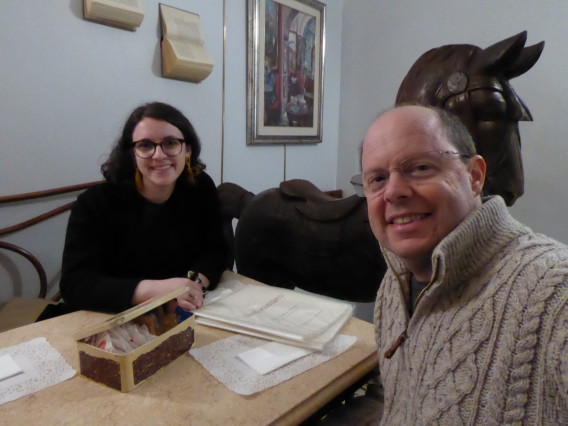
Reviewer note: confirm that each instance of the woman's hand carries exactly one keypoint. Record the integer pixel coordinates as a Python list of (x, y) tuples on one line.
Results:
[(147, 289)]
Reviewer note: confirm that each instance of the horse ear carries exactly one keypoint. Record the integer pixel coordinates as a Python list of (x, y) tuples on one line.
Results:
[(501, 55), (525, 61)]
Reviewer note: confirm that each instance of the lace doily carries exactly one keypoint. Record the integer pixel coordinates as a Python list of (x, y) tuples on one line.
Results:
[(220, 360), (43, 367)]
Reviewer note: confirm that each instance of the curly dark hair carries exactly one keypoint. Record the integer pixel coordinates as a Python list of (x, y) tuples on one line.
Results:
[(120, 165)]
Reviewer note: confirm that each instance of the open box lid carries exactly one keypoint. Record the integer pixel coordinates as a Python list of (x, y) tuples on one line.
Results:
[(131, 313)]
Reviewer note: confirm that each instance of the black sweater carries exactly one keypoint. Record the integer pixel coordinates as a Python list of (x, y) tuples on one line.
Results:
[(116, 238)]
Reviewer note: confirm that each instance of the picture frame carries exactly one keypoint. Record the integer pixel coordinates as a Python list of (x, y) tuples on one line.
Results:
[(286, 44)]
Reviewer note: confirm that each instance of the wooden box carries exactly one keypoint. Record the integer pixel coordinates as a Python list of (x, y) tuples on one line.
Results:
[(124, 372)]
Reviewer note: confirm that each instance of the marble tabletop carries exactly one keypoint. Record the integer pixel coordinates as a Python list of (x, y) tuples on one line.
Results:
[(183, 392)]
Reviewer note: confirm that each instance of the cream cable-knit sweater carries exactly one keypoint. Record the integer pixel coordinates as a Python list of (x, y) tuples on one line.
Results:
[(488, 342)]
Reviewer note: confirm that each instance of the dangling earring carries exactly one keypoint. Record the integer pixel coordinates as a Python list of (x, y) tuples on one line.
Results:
[(138, 179), (190, 171)]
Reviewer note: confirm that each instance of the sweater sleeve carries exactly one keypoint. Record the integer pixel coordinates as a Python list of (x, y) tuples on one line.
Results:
[(211, 260), (85, 281), (115, 239)]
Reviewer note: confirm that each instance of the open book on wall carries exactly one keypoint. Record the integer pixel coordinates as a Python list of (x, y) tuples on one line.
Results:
[(184, 56), (274, 313), (126, 14)]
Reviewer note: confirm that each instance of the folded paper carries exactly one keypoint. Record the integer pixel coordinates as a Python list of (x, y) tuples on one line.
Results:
[(126, 14), (184, 56), (276, 314), (8, 367)]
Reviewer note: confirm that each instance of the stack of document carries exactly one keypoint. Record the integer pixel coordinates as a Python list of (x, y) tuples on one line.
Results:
[(274, 313)]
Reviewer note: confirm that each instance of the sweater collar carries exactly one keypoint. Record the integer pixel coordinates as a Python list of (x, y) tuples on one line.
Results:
[(471, 245)]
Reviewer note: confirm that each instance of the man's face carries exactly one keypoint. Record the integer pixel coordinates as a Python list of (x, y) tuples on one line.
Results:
[(411, 214)]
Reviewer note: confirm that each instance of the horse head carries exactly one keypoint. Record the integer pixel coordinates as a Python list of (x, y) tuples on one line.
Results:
[(473, 83)]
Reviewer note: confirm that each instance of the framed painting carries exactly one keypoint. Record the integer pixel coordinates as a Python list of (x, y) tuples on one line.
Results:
[(286, 41)]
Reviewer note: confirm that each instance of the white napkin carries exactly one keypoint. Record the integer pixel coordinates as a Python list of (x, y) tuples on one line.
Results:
[(272, 355), (221, 359), (42, 367)]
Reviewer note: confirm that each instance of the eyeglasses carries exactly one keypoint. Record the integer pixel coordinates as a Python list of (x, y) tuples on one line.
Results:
[(146, 148), (419, 168)]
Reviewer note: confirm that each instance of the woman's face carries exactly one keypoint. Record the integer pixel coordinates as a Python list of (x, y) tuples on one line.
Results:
[(160, 171)]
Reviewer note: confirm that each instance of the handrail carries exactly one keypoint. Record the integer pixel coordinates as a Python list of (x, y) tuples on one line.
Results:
[(41, 194), (46, 193), (37, 219), (34, 220)]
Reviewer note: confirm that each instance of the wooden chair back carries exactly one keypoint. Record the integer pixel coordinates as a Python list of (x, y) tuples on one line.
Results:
[(21, 311)]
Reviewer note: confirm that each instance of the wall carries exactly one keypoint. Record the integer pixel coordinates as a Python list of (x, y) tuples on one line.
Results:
[(381, 40), (67, 85), (260, 167)]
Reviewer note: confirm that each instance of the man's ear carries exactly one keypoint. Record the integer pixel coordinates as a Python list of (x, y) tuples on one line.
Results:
[(477, 170)]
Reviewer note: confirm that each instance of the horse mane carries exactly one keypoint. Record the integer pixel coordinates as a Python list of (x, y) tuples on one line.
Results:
[(431, 71)]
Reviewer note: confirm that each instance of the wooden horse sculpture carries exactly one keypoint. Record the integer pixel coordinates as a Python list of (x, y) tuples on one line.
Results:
[(295, 235), (473, 83)]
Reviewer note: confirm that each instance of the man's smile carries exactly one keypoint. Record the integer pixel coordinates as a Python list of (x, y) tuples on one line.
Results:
[(404, 219)]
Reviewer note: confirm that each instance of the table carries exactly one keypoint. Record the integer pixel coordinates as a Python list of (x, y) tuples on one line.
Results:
[(183, 392)]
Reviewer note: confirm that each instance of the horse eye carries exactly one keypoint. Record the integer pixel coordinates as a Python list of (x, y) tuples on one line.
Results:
[(488, 105)]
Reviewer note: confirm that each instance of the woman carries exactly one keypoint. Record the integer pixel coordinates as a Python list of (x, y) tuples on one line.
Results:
[(157, 217)]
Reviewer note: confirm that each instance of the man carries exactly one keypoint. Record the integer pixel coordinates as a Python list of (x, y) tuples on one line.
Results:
[(471, 318)]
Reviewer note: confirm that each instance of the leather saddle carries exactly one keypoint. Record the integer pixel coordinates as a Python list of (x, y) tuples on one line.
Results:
[(316, 204)]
